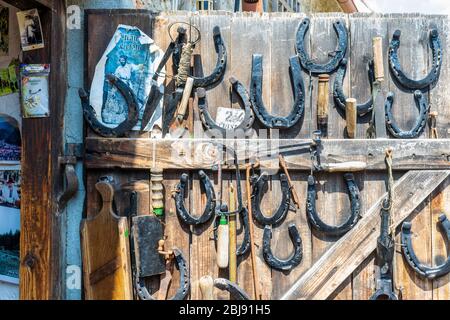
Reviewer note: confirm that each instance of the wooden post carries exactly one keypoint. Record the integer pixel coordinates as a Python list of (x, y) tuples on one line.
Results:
[(350, 117)]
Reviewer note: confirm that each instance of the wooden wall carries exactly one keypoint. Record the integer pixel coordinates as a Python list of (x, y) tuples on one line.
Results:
[(273, 35)]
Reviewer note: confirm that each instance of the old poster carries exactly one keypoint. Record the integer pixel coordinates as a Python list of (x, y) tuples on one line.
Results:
[(133, 57), (34, 89)]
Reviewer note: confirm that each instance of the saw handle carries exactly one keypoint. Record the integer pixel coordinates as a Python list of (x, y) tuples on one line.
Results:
[(377, 47), (350, 166), (206, 284)]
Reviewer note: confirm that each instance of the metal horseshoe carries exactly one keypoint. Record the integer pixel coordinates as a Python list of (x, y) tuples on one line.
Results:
[(219, 70), (260, 110), (401, 78), (338, 91), (316, 68), (408, 251), (257, 194), (236, 292), (91, 116), (210, 200), (355, 208), (182, 290), (421, 121), (295, 258), (209, 122)]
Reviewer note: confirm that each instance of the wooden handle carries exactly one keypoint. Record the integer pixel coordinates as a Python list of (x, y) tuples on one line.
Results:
[(181, 112), (377, 46), (206, 284), (323, 99), (222, 243), (350, 117), (232, 268), (350, 166)]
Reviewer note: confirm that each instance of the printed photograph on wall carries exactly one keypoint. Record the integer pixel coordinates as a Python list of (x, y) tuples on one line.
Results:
[(34, 89), (4, 31), (9, 224), (133, 57), (10, 141), (31, 36)]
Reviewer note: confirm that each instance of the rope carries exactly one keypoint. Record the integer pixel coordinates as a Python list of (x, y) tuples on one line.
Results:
[(185, 64)]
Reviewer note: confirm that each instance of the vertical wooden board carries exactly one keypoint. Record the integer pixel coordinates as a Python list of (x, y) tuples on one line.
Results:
[(323, 42), (413, 56), (363, 27), (364, 277), (440, 203), (251, 33), (205, 21), (177, 234), (412, 285), (281, 242), (440, 94), (284, 28)]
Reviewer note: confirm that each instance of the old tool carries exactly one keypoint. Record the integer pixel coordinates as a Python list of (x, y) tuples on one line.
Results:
[(420, 123), (338, 88), (232, 264), (236, 292), (355, 208), (210, 206), (433, 75), (377, 125), (106, 267), (90, 115), (351, 117), (283, 166), (386, 243), (181, 111), (336, 56), (242, 129), (206, 284), (251, 233), (283, 264), (408, 251), (259, 183), (432, 125), (322, 103), (298, 109)]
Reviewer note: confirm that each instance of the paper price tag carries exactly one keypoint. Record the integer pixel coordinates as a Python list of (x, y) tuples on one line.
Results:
[(229, 118)]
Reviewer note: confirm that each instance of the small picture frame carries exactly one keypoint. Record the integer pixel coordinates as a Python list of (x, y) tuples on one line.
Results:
[(34, 90), (31, 36)]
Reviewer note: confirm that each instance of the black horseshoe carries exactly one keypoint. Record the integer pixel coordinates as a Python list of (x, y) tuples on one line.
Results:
[(408, 251), (264, 117), (338, 92), (209, 122), (339, 53), (384, 294), (421, 121), (236, 292), (91, 116), (355, 205), (257, 194), (182, 290), (397, 72), (219, 70), (291, 262), (245, 245), (210, 200)]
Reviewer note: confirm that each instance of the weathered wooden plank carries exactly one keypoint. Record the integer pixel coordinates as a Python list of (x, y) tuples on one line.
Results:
[(282, 47), (413, 56), (440, 203), (199, 153), (349, 252), (363, 27), (440, 95)]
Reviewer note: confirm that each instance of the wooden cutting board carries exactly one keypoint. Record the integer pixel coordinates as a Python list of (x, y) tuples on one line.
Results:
[(106, 252)]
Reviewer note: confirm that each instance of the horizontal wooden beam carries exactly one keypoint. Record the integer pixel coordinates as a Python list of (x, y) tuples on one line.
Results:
[(31, 4), (338, 263), (143, 153)]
